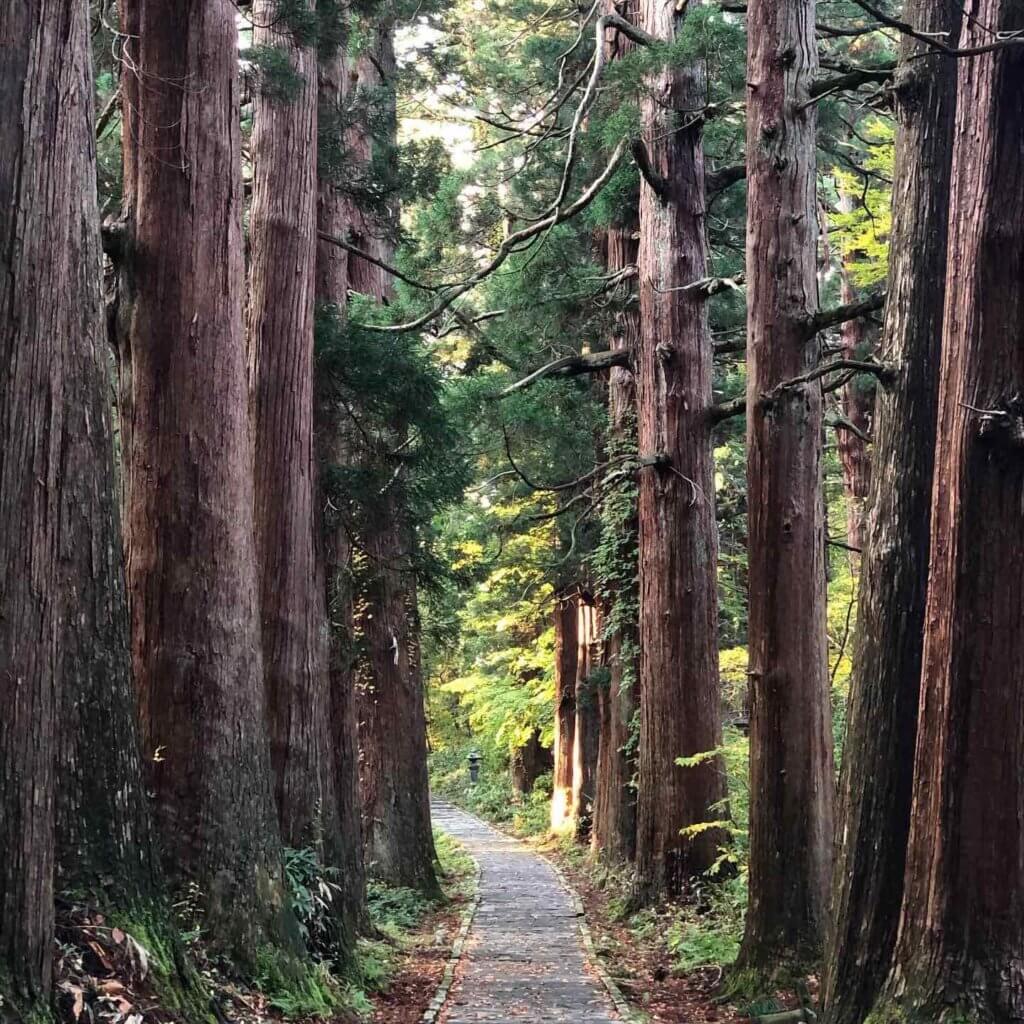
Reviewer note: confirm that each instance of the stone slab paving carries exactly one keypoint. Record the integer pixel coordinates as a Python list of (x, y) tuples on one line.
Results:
[(524, 957)]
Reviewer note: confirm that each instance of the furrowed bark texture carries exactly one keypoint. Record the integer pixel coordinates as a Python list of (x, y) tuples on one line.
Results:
[(334, 568), (399, 841), (48, 314), (103, 840), (566, 654), (857, 404), (398, 838), (791, 783), (281, 310), (679, 683), (878, 755), (614, 829), (588, 718), (190, 547), (961, 942)]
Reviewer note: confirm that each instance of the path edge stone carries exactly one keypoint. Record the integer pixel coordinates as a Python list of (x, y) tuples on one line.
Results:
[(440, 997), (622, 1004)]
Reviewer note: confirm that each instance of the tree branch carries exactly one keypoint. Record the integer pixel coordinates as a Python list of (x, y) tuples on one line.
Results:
[(642, 159), (510, 245), (1006, 39), (727, 410), (574, 366), (882, 371), (718, 181), (852, 79), (386, 267), (826, 318)]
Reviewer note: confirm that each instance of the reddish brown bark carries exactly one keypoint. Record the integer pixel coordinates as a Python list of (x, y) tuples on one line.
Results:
[(679, 685), (49, 317), (188, 468), (878, 754), (566, 653), (281, 306), (335, 554), (791, 784), (399, 841), (857, 404), (587, 732), (614, 828), (961, 939)]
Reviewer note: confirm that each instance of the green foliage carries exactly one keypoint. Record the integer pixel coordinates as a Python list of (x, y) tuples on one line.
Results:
[(312, 891), (273, 73)]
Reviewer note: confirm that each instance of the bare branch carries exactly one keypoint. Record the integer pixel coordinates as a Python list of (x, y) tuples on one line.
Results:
[(574, 366), (718, 181), (826, 318), (386, 267), (882, 371), (642, 159), (852, 79), (1005, 38)]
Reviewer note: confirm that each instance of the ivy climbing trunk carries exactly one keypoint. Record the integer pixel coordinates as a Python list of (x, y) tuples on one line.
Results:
[(791, 783), (878, 755), (191, 556), (679, 684), (566, 653), (614, 829), (961, 934), (281, 312)]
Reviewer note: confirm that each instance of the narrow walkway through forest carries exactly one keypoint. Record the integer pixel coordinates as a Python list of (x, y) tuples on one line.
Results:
[(524, 959)]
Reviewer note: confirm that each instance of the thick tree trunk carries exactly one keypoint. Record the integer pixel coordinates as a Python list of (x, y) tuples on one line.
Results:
[(961, 937), (791, 783), (877, 770), (49, 322), (281, 308), (566, 654), (334, 571), (679, 684), (398, 839), (529, 763), (614, 829), (190, 549), (588, 720)]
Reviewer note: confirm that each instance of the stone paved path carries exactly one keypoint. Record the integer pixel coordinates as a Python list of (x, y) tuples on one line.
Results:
[(524, 958)]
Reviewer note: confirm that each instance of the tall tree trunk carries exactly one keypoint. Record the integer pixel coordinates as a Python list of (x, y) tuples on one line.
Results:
[(190, 548), (614, 828), (334, 570), (877, 769), (588, 720), (857, 404), (397, 833), (48, 315), (566, 654), (791, 784), (280, 328), (961, 936), (679, 683), (398, 839)]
